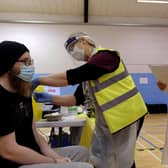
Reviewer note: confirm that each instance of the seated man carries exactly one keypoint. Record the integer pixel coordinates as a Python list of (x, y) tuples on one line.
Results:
[(20, 143)]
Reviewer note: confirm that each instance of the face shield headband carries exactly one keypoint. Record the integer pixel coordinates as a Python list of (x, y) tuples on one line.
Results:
[(69, 42)]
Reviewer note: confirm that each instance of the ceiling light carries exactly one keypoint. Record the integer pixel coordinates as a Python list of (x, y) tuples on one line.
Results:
[(153, 1)]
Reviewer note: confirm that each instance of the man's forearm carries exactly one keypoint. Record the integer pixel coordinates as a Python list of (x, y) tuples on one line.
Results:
[(45, 148), (24, 155)]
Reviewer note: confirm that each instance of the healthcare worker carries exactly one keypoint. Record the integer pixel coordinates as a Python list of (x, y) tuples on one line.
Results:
[(105, 83)]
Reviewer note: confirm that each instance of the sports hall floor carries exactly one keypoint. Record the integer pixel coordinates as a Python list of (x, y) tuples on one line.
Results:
[(151, 141)]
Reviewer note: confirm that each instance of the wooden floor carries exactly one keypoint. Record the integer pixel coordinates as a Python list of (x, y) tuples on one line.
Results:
[(150, 143)]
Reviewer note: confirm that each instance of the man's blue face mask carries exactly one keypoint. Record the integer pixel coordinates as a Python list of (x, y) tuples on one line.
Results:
[(26, 73)]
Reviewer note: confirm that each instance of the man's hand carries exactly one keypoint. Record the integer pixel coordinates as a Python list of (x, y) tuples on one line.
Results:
[(161, 85), (62, 160), (42, 97)]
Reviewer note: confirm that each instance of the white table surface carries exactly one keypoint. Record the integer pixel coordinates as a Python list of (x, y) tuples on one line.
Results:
[(67, 121)]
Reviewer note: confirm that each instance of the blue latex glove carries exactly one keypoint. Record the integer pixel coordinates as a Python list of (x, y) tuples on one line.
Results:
[(35, 82), (42, 97)]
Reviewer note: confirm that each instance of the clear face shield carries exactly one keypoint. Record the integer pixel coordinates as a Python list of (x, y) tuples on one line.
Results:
[(78, 54), (73, 50), (69, 44)]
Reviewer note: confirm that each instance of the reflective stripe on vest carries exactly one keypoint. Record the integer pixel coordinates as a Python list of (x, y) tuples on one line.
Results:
[(115, 92), (119, 99)]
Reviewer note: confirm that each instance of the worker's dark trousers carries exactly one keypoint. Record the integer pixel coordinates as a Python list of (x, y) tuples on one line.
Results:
[(138, 131)]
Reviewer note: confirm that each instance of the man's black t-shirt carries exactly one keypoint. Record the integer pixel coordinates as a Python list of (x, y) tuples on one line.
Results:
[(16, 116)]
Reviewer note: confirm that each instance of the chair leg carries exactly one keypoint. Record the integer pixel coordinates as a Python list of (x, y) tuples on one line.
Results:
[(133, 166)]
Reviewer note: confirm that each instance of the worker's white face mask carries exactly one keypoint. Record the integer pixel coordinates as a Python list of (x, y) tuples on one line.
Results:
[(78, 54)]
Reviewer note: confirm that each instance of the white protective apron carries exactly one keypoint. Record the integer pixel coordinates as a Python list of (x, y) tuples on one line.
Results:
[(112, 150)]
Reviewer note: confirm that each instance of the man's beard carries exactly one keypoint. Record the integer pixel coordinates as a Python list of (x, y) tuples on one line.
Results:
[(21, 87)]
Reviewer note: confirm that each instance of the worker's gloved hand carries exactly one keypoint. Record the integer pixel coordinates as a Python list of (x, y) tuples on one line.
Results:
[(35, 82), (42, 97)]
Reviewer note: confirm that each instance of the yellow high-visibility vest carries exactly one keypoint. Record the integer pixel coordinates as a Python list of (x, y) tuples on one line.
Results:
[(118, 98)]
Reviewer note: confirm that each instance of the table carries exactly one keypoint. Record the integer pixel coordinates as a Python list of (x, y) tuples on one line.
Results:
[(67, 121)]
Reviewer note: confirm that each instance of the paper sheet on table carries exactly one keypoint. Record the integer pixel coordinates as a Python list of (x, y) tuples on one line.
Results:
[(160, 72)]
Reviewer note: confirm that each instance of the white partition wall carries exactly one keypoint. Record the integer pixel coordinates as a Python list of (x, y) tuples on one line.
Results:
[(139, 46)]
